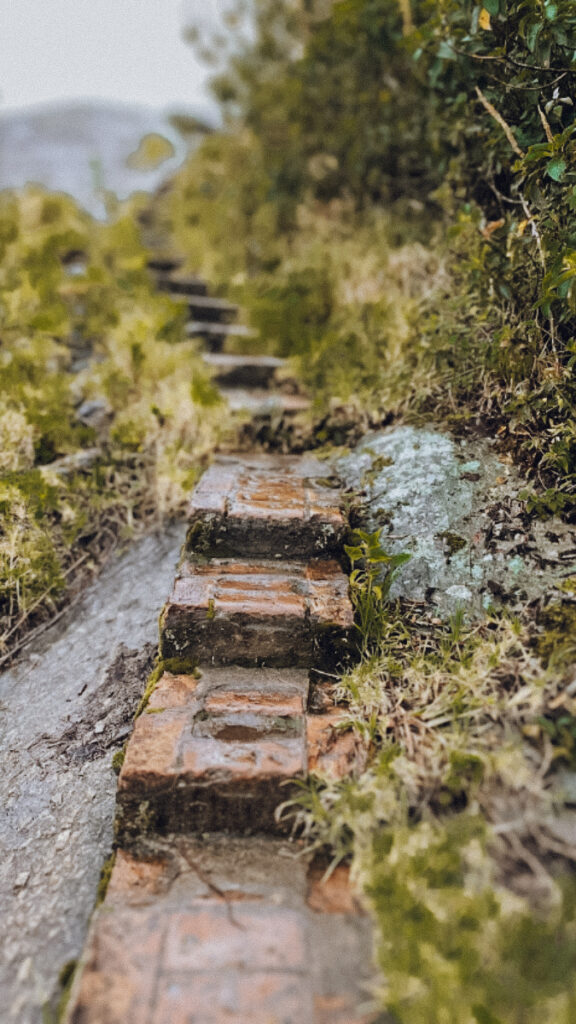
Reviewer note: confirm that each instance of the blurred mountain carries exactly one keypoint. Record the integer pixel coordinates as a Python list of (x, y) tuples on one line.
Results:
[(86, 147)]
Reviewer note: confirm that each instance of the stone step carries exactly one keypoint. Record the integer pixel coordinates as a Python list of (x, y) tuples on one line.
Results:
[(207, 309), (182, 284), (224, 931), (260, 404), (164, 264), (232, 371), (214, 753), (266, 506), (258, 613)]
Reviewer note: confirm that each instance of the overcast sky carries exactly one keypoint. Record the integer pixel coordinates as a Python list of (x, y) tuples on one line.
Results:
[(129, 50)]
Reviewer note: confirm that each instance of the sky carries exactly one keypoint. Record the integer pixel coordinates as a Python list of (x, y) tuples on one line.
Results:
[(127, 50)]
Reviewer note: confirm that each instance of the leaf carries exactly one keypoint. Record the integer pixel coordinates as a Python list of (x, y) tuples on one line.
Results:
[(484, 20), (556, 168), (492, 6)]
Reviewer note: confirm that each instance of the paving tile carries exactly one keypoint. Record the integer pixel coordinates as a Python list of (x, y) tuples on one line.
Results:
[(267, 613), (266, 507)]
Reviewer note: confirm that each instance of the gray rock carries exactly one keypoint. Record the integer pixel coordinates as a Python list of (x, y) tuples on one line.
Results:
[(455, 507)]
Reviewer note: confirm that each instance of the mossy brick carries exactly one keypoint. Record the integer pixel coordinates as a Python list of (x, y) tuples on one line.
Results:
[(265, 507), (259, 613), (214, 753)]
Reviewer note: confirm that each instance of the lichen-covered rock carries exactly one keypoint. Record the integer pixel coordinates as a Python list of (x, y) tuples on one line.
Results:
[(455, 507)]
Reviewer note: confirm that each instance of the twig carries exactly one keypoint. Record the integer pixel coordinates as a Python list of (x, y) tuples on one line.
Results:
[(500, 120)]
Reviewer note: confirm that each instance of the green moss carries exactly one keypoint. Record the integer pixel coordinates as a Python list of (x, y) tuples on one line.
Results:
[(453, 542), (118, 760), (177, 666), (104, 880), (55, 1015), (557, 643)]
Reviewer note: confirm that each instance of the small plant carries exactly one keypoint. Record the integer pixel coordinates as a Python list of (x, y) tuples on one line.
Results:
[(373, 573)]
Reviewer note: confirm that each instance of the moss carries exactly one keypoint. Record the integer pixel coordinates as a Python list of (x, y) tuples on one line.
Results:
[(176, 666), (452, 541), (118, 759), (556, 644), (55, 1014), (104, 880)]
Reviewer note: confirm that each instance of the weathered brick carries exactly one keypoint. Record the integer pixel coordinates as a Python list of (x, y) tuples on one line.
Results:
[(234, 371), (333, 750), (258, 613), (215, 934), (331, 893), (213, 753), (265, 507)]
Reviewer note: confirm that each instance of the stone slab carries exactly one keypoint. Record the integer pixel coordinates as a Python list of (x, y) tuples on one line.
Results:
[(233, 371), (266, 507), (258, 613), (215, 334), (218, 932)]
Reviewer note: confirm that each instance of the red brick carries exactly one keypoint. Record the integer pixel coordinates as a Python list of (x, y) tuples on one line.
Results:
[(214, 752), (265, 507), (332, 751), (258, 613), (232, 997), (332, 894), (212, 936)]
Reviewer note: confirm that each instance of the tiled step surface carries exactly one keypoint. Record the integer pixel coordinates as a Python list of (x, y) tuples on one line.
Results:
[(224, 932), (214, 753), (258, 613), (232, 371), (264, 506)]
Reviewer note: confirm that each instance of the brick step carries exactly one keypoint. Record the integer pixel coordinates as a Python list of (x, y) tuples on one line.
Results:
[(232, 371), (265, 506), (258, 613), (164, 264), (217, 751), (263, 405), (215, 334), (207, 309), (182, 284), (214, 753), (224, 931)]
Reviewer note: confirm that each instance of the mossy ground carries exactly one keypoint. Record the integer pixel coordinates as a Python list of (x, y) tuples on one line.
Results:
[(105, 411)]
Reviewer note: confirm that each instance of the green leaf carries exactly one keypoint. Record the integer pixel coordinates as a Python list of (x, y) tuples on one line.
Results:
[(492, 6), (556, 168)]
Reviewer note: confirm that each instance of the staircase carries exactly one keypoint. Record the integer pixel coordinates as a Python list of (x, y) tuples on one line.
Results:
[(213, 913)]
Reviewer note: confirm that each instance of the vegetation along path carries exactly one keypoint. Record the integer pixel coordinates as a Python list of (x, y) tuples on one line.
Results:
[(211, 913)]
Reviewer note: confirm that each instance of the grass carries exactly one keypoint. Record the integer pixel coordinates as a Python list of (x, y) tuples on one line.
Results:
[(81, 328)]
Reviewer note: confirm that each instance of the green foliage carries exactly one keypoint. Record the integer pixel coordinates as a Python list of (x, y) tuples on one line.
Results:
[(81, 324), (373, 573)]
